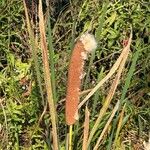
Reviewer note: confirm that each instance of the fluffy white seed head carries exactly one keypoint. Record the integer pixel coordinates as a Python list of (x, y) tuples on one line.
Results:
[(89, 42), (84, 55)]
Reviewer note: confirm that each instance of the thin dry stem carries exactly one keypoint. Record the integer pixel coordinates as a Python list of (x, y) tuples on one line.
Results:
[(70, 137), (119, 125), (47, 76), (112, 90), (107, 125), (86, 129)]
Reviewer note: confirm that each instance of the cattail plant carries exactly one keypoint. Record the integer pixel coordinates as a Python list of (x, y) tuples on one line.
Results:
[(84, 45)]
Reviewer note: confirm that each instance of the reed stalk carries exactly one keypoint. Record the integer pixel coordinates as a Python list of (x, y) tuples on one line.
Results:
[(47, 77)]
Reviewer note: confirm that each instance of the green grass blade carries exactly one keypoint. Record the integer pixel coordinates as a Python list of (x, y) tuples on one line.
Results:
[(51, 58), (73, 31), (89, 69), (130, 73), (96, 96)]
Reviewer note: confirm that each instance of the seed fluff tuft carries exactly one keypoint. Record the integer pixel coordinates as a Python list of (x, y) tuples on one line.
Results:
[(89, 42)]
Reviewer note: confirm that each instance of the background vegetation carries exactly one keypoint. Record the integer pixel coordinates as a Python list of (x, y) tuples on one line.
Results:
[(24, 117)]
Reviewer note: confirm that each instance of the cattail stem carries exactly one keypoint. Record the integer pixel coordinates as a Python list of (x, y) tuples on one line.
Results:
[(70, 137), (84, 45)]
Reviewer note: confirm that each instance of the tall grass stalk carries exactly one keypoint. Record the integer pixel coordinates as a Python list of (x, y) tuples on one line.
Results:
[(47, 76), (86, 129), (125, 88), (51, 58), (34, 51), (111, 91), (119, 126)]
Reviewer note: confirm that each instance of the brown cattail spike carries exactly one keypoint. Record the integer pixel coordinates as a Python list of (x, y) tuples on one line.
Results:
[(84, 45)]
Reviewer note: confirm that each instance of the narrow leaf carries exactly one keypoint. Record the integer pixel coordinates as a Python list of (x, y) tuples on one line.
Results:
[(86, 129)]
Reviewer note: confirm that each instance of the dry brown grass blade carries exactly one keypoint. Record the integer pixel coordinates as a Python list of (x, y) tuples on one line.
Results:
[(47, 76), (107, 125), (27, 19), (112, 90), (119, 126), (111, 72), (86, 129), (67, 142)]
